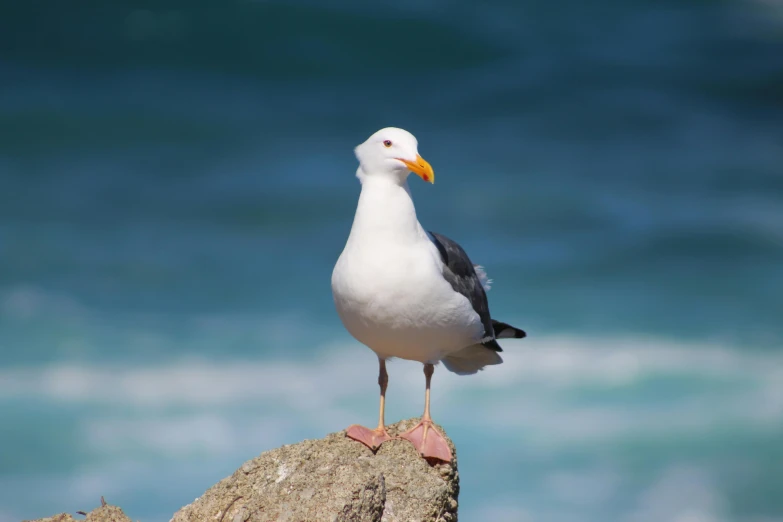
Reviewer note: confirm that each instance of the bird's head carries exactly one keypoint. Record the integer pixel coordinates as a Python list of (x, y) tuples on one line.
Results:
[(393, 152)]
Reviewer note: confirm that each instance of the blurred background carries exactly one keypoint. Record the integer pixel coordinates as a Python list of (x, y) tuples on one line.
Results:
[(178, 179)]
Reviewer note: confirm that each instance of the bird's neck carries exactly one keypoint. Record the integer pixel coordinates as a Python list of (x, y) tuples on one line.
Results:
[(385, 210)]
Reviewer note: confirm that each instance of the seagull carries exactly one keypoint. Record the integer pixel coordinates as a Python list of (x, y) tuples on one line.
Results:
[(409, 293)]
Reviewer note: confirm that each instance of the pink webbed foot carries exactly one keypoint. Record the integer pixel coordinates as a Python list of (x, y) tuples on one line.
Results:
[(428, 441), (370, 438)]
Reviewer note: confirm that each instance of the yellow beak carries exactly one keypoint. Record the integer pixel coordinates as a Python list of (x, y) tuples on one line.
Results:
[(421, 168)]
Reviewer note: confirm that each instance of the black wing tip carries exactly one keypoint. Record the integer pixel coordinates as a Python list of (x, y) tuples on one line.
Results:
[(492, 344), (502, 329)]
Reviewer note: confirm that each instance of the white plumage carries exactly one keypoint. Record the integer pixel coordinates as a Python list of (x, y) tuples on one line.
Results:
[(388, 283), (407, 293)]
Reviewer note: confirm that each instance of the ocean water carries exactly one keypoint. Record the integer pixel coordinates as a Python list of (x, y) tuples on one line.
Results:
[(177, 181)]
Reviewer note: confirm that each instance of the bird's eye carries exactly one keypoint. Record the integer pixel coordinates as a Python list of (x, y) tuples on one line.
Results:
[(387, 143)]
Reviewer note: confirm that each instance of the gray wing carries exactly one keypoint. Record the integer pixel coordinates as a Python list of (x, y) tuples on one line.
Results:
[(462, 277)]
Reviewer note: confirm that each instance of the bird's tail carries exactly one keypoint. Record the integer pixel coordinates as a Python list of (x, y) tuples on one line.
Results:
[(471, 359), (475, 357)]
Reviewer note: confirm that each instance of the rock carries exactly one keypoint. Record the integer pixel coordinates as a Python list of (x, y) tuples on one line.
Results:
[(334, 479), (62, 517), (105, 513)]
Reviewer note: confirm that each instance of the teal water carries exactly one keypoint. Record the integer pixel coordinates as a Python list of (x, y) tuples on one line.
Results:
[(178, 181)]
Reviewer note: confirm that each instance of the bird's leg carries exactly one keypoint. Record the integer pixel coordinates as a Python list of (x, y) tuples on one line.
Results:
[(425, 437), (374, 438)]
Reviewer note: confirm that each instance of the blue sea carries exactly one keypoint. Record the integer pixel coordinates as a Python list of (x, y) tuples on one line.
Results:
[(177, 180)]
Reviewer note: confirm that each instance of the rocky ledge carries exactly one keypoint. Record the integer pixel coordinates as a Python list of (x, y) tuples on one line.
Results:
[(333, 479)]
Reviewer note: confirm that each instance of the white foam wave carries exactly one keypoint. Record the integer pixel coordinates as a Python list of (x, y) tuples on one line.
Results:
[(681, 493), (677, 493), (551, 364), (542, 390), (558, 394)]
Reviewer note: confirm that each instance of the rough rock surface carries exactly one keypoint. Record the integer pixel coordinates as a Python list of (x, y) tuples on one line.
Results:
[(334, 479), (105, 513)]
